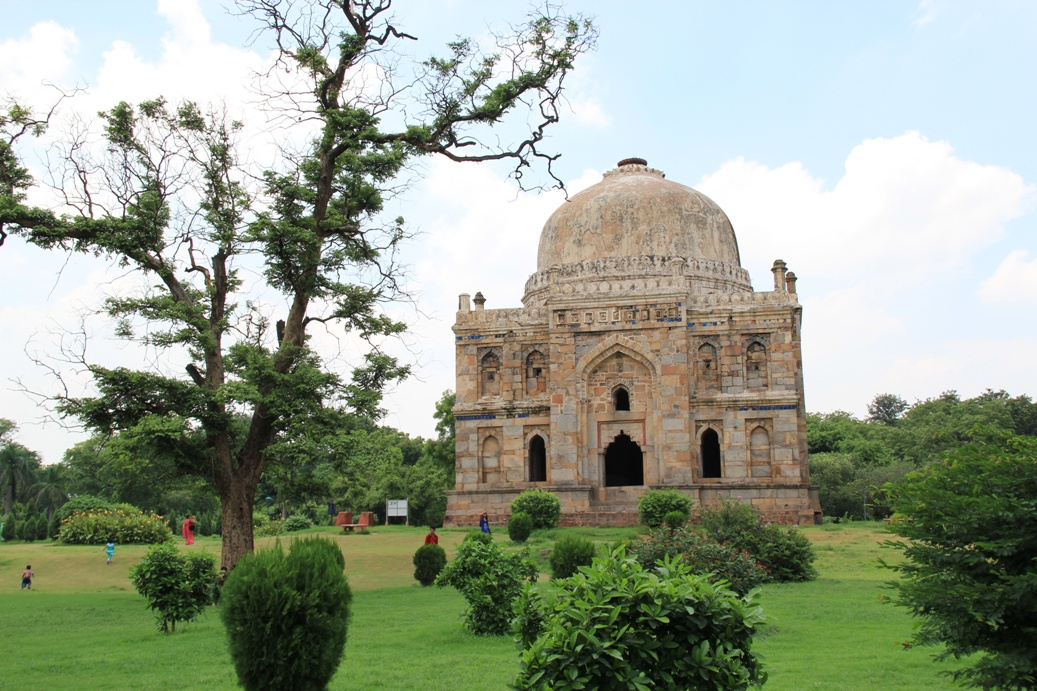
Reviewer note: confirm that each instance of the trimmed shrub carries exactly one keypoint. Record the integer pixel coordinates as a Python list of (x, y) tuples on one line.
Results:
[(570, 553), (118, 525), (520, 525), (27, 530), (287, 615), (297, 522), (542, 506), (618, 625), (478, 536), (429, 560), (54, 527), (9, 529), (490, 581), (654, 504), (702, 555), (675, 520), (84, 503), (784, 551), (270, 528), (176, 584)]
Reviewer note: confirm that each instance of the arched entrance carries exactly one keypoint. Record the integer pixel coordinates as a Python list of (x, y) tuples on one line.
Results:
[(624, 462), (537, 459), (710, 454)]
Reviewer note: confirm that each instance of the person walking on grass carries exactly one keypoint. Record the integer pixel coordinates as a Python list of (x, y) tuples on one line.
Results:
[(187, 530), (27, 577), (484, 523), (431, 538), (109, 549)]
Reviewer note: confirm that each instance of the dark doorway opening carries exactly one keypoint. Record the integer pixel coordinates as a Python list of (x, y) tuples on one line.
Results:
[(537, 459), (622, 399), (710, 454), (624, 462)]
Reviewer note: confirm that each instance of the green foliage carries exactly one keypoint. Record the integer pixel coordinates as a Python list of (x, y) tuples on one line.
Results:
[(520, 525), (176, 584), (429, 561), (83, 504), (10, 529), (969, 569), (490, 580), (119, 525), (287, 615), (703, 555), (27, 530), (886, 408), (654, 504), (851, 489), (784, 552), (570, 553), (542, 506), (297, 522), (675, 519), (619, 625)]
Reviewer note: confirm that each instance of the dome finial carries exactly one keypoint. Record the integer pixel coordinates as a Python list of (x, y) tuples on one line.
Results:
[(632, 162)]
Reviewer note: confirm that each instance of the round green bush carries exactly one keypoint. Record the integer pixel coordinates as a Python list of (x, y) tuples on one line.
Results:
[(618, 625), (675, 519), (297, 522), (84, 503), (520, 525), (703, 555), (570, 553), (542, 506), (654, 504), (176, 584), (429, 560), (287, 615)]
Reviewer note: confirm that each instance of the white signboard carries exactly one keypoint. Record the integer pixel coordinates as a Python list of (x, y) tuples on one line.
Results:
[(396, 507)]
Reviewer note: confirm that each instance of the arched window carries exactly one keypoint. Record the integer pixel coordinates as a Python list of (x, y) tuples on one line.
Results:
[(489, 375), (756, 366), (621, 399), (537, 459), (708, 368), (490, 459), (710, 454), (536, 370)]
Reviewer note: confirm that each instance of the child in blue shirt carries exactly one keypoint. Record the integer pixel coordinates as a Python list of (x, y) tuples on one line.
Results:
[(109, 549)]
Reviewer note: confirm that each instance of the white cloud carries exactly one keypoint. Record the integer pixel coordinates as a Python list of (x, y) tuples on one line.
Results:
[(588, 111), (905, 209), (1014, 281), (44, 56), (925, 13)]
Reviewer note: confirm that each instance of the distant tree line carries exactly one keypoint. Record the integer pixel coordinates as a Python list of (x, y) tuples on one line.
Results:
[(851, 459), (335, 458)]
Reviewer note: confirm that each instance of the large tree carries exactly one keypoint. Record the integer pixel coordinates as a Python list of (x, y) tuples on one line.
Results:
[(169, 199), (969, 523)]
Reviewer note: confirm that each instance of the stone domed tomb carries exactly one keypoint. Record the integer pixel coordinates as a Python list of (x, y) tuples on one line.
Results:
[(641, 358)]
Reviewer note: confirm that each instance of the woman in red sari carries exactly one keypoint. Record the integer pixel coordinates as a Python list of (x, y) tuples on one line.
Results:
[(187, 530)]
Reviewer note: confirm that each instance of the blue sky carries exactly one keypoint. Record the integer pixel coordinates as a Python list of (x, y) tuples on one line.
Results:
[(885, 150)]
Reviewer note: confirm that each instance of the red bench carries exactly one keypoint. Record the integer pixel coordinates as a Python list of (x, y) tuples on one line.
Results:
[(345, 519)]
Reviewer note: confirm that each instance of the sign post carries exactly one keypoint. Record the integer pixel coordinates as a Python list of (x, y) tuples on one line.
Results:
[(396, 508)]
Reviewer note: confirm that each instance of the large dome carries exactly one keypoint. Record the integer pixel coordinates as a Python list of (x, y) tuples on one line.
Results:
[(635, 212)]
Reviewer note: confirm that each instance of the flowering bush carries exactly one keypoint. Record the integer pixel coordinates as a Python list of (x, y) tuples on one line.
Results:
[(114, 525)]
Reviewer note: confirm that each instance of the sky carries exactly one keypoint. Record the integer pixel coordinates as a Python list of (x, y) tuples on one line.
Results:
[(886, 151)]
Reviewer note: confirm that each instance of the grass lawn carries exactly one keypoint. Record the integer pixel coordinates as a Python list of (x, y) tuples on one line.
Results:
[(83, 626)]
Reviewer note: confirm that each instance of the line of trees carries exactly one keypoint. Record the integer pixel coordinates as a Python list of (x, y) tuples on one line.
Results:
[(851, 459)]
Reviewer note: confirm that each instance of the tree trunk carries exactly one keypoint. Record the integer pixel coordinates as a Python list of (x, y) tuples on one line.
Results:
[(237, 498)]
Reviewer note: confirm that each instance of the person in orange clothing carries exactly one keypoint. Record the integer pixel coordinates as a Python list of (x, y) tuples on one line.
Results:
[(187, 530)]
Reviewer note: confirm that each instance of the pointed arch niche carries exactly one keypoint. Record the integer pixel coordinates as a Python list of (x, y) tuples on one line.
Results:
[(536, 459), (624, 462), (489, 460), (710, 461)]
